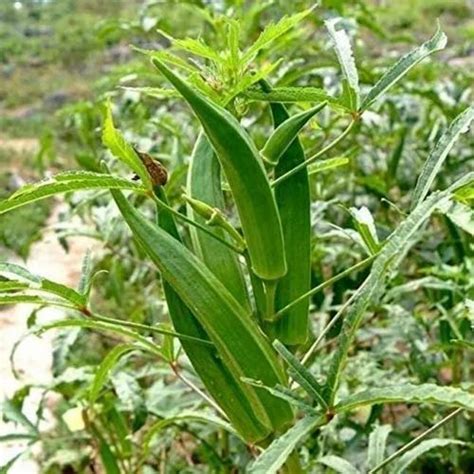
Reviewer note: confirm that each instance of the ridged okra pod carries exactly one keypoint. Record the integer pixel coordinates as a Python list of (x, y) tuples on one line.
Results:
[(217, 379), (246, 176), (294, 201), (239, 342), (204, 184)]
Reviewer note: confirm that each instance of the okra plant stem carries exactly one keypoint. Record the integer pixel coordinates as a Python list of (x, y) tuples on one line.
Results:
[(196, 389), (270, 288), (320, 153), (258, 289), (415, 441), (325, 284), (328, 327), (145, 327), (186, 219)]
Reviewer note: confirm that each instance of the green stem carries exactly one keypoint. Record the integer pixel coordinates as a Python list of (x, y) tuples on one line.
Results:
[(320, 153), (325, 284), (145, 327), (257, 287), (204, 229), (415, 441), (270, 289)]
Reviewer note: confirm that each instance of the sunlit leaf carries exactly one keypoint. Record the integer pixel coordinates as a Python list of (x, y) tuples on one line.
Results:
[(277, 453), (403, 65)]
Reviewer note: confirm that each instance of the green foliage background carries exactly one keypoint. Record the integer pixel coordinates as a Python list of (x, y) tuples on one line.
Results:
[(78, 54)]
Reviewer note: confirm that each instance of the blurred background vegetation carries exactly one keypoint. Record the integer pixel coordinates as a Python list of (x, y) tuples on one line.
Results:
[(60, 59)]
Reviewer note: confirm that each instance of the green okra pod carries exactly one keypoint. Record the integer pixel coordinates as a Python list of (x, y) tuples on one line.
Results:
[(293, 200), (216, 377), (247, 179), (204, 184), (240, 344), (285, 133)]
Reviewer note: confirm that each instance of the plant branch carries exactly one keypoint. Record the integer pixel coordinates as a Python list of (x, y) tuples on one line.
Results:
[(320, 153), (325, 284), (186, 219), (415, 441)]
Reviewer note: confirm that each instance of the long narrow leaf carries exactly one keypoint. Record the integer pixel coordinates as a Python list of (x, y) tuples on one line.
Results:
[(409, 457), (286, 394), (403, 65), (235, 334), (459, 214), (272, 32), (65, 183), (338, 464), (409, 393), (114, 140), (396, 245), (302, 375), (277, 453), (439, 153), (377, 445), (105, 367), (39, 283), (343, 48), (183, 417), (106, 327), (291, 94)]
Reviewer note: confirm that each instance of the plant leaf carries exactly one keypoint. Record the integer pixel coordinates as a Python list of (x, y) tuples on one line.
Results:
[(101, 326), (365, 225), (272, 32), (64, 183), (302, 375), (395, 245), (11, 412), (439, 153), (120, 148), (409, 393), (185, 416), (16, 298), (291, 94), (403, 65), (155, 92), (459, 214), (410, 456), (105, 367), (338, 464), (377, 444), (345, 56), (197, 47), (328, 164), (277, 453), (285, 394), (39, 283)]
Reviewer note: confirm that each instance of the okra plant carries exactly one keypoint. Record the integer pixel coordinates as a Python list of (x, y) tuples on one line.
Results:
[(235, 258)]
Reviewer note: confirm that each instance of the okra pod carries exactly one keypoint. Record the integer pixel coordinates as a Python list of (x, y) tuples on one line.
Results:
[(247, 179), (204, 184)]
